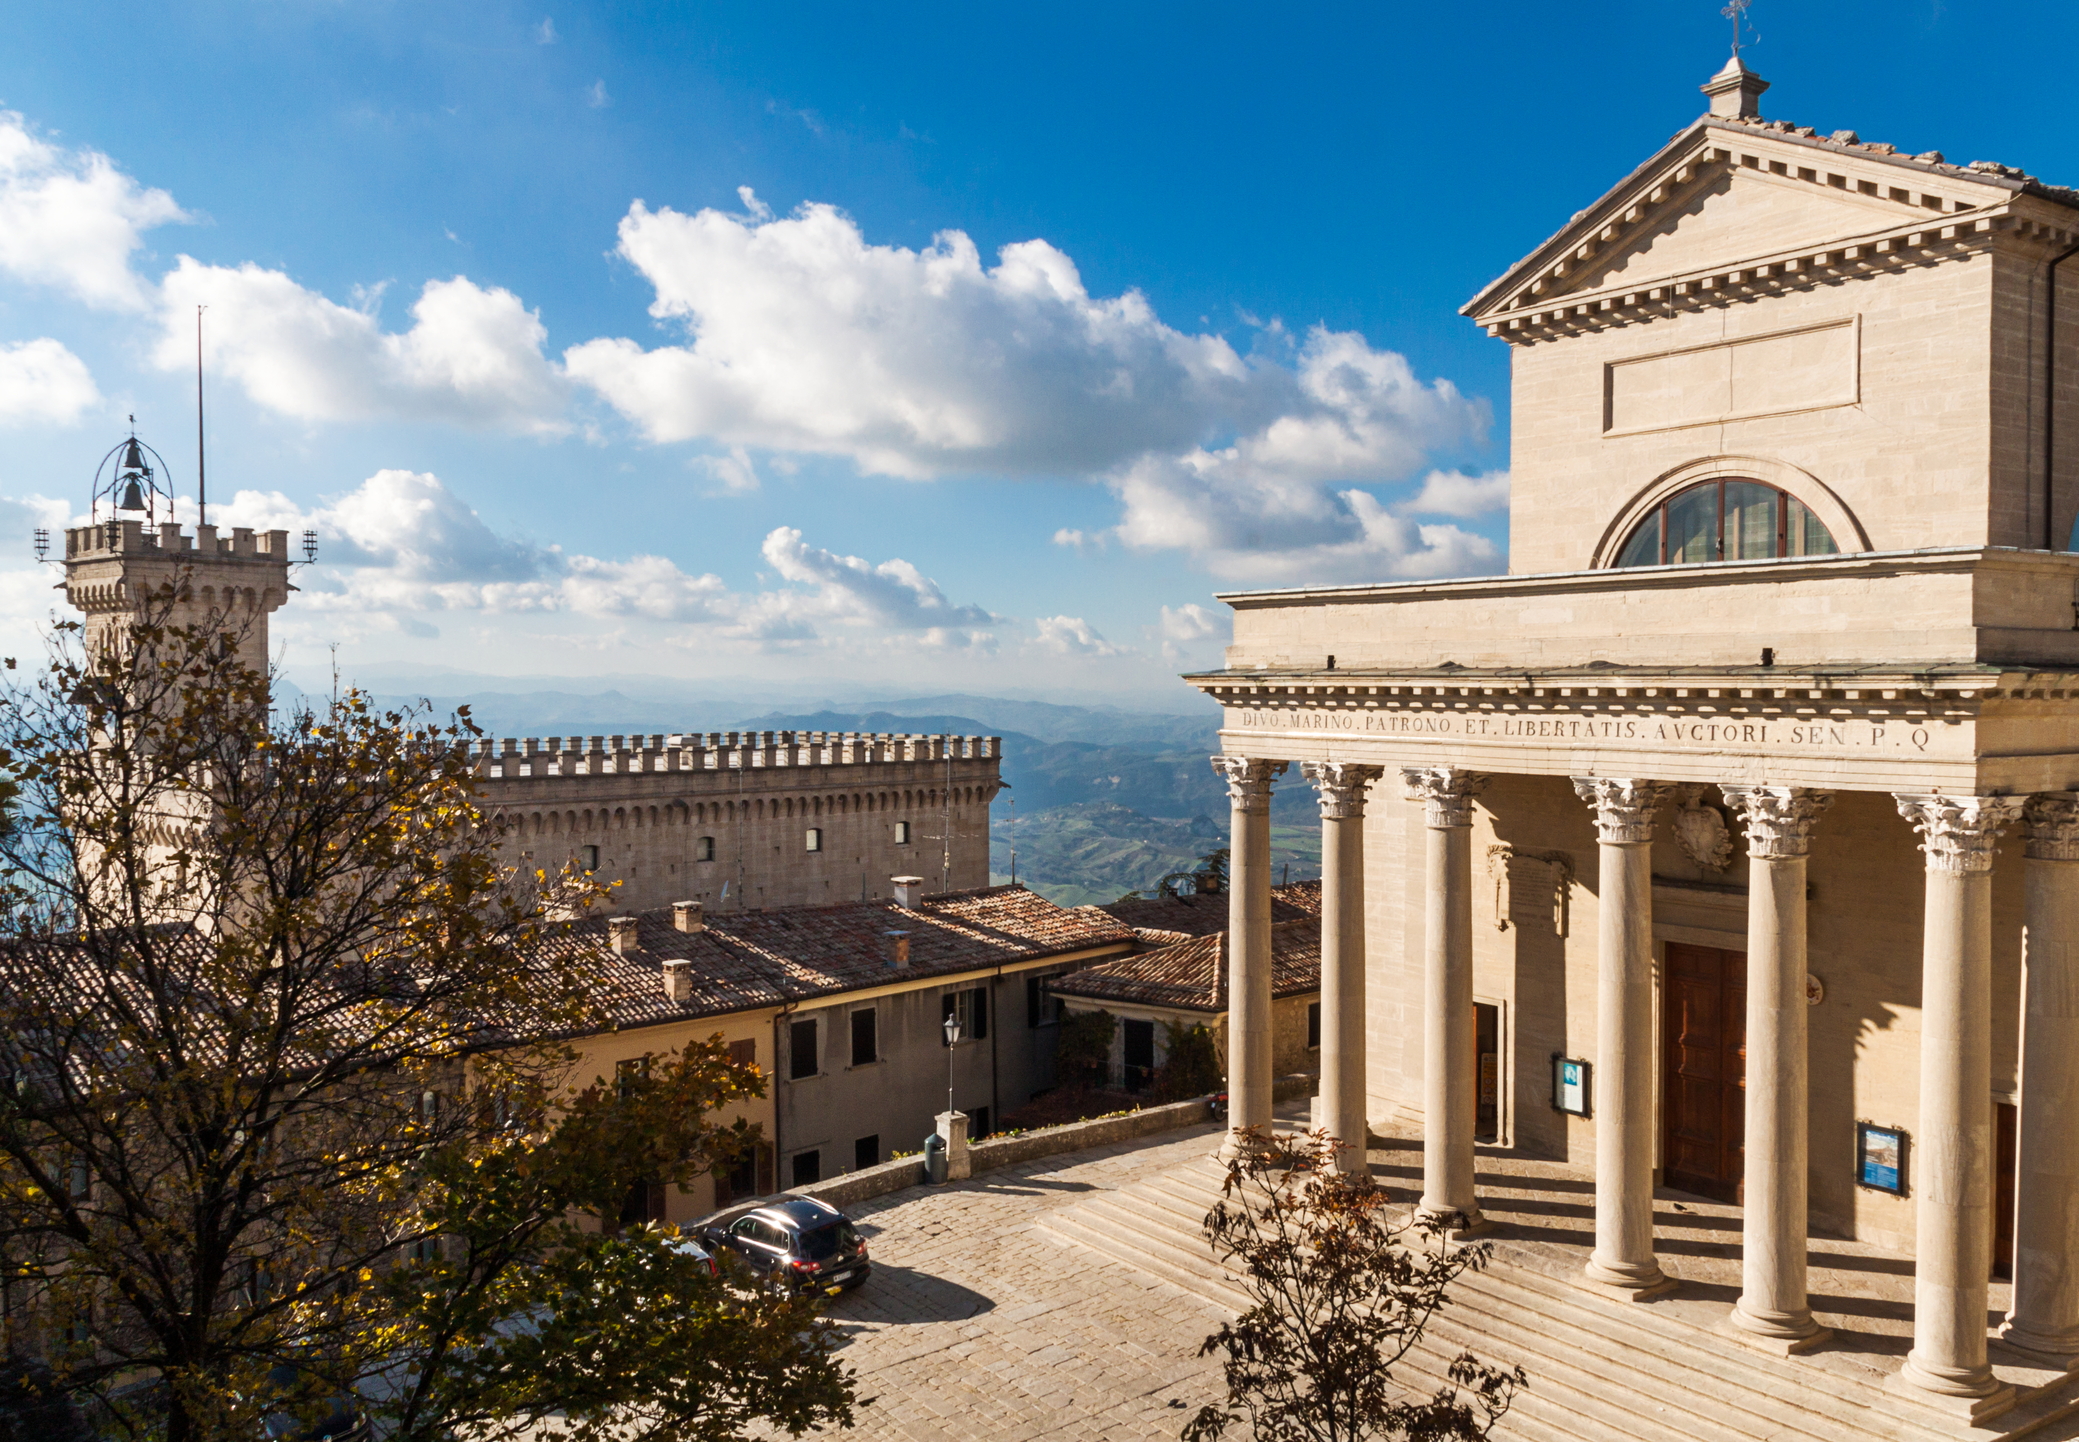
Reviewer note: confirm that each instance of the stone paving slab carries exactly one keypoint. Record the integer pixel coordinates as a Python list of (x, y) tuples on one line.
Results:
[(974, 1325)]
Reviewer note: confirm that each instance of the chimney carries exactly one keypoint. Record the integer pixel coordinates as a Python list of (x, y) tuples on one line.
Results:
[(909, 890), (678, 981), (1735, 91), (689, 916), (898, 949), (620, 934)]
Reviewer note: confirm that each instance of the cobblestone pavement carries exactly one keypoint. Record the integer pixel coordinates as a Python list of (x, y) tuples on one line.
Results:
[(976, 1326)]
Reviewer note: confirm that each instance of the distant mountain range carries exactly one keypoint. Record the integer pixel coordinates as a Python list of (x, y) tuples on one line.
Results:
[(1102, 800)]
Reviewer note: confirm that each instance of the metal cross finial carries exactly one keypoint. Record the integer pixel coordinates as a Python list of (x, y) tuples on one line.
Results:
[(1736, 11)]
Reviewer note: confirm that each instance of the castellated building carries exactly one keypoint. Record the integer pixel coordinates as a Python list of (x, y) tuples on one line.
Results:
[(749, 820), (737, 820)]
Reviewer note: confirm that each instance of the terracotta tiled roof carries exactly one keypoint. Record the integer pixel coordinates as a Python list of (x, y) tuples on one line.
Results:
[(1192, 975), (1933, 160), (1204, 915), (745, 960)]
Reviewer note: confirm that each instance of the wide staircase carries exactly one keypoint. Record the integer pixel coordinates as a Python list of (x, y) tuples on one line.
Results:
[(1598, 1369)]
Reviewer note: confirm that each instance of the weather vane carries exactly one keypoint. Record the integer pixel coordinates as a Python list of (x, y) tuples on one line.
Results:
[(1736, 11)]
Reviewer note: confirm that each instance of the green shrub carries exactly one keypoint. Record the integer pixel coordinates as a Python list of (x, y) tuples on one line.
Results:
[(1192, 1068), (1084, 1051)]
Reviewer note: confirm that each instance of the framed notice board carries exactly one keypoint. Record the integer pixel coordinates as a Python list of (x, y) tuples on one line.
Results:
[(1880, 1158), (1572, 1082)]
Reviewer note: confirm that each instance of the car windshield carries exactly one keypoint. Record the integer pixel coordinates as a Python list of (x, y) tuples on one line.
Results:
[(828, 1240)]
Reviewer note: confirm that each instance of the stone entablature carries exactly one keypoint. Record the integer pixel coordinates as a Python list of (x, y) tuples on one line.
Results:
[(1904, 609), (1879, 730)]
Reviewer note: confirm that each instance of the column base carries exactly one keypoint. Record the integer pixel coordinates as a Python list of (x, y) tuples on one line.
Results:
[(1238, 1143), (1626, 1283), (1775, 1344), (1456, 1225), (2061, 1352), (1969, 1407)]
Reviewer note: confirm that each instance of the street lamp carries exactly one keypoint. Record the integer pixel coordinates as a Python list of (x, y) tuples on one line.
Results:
[(952, 1039)]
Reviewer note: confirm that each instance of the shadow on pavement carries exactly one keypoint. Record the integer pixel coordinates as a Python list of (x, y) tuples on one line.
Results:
[(902, 1296)]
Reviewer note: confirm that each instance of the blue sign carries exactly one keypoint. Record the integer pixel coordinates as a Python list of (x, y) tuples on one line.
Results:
[(1880, 1158)]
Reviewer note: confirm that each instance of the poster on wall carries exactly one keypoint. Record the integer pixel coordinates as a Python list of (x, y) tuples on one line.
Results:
[(1880, 1158), (1570, 1080)]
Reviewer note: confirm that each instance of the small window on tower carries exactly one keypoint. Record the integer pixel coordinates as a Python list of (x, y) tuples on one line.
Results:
[(815, 839), (704, 849), (902, 833), (588, 858)]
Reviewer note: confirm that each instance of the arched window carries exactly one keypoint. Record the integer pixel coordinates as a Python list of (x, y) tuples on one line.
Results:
[(1726, 521)]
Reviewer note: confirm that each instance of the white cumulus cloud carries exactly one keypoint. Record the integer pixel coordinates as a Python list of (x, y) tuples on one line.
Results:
[(402, 545), (798, 335), (801, 336), (41, 381), (71, 221), (1074, 636), (473, 356), (1191, 622), (1454, 493)]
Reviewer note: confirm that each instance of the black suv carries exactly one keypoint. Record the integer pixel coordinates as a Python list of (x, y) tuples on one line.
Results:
[(795, 1242)]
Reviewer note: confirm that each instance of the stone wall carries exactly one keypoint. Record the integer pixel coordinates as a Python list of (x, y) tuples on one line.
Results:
[(750, 820), (856, 1187)]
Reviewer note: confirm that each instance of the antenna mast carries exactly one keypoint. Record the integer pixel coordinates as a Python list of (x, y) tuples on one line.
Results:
[(201, 476)]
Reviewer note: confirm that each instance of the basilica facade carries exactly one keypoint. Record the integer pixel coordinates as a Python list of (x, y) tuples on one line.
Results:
[(1729, 843)]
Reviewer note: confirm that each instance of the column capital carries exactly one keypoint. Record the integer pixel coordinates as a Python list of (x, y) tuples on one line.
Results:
[(1342, 785), (1248, 781), (1624, 808), (1959, 833), (1778, 819), (2053, 825), (1446, 792)]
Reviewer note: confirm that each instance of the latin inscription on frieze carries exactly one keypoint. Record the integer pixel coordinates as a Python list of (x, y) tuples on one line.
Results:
[(1675, 733)]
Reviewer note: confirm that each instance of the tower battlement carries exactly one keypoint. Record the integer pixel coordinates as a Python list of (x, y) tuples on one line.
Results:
[(115, 568), (514, 757)]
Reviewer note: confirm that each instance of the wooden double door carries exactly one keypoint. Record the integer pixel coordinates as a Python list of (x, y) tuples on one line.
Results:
[(1703, 1098)]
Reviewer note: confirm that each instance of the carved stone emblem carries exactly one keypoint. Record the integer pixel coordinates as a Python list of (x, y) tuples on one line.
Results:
[(1700, 830)]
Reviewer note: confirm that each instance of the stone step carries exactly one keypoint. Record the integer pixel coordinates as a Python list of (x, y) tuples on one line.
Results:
[(1193, 1279), (1499, 1322), (1128, 1233), (1661, 1333)]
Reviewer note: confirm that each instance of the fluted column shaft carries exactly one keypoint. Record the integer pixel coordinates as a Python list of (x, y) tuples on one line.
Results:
[(1342, 788), (1953, 1185), (1773, 1301), (1624, 813), (1248, 942), (1449, 1098), (2045, 1316)]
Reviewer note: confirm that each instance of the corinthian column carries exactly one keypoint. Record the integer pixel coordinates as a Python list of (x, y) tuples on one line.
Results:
[(1448, 1083), (2045, 1318), (1248, 944), (1952, 1218), (1342, 786), (1623, 1255), (1773, 1305)]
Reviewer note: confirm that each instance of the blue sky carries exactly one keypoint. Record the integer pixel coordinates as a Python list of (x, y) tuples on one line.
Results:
[(910, 347)]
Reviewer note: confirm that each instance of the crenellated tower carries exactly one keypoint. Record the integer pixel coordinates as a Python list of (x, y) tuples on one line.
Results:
[(132, 551)]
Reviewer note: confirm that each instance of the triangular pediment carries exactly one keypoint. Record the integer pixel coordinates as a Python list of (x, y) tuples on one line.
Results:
[(1730, 193)]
